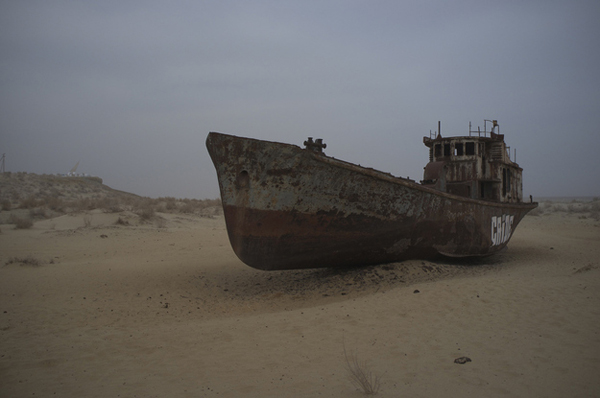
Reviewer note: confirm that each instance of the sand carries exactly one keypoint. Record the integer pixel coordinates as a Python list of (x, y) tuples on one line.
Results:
[(142, 311)]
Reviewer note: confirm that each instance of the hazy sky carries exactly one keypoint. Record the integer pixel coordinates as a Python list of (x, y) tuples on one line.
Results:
[(132, 88)]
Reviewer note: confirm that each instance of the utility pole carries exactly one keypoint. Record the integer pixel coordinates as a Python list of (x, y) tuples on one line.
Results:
[(2, 168)]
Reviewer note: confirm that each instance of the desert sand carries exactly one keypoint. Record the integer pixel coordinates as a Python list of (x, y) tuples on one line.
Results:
[(91, 308)]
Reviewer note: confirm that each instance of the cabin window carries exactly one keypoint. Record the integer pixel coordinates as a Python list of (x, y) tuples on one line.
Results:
[(438, 150), (458, 149), (447, 150), (470, 148)]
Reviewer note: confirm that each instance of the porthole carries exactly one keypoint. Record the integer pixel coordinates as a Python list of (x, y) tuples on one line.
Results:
[(243, 180)]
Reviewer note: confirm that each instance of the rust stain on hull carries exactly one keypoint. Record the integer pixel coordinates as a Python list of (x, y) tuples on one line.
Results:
[(288, 208)]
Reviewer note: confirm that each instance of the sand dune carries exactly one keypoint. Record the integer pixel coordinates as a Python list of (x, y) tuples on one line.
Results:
[(166, 309)]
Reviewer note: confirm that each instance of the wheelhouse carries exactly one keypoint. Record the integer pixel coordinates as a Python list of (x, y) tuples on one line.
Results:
[(477, 166)]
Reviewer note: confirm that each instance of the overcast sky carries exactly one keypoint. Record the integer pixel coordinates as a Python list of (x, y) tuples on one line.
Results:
[(132, 88)]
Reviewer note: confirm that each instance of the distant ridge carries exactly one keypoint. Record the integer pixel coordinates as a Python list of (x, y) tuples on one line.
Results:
[(16, 187), (34, 196)]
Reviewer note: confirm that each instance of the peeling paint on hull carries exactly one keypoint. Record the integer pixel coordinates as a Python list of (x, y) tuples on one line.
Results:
[(290, 208)]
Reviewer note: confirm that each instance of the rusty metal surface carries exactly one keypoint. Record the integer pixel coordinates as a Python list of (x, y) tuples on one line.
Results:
[(287, 207), (477, 167)]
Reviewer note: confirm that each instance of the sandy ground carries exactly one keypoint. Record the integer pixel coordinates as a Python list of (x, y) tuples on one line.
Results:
[(140, 311)]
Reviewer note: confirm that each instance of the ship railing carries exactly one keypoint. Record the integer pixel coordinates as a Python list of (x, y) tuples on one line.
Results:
[(478, 132)]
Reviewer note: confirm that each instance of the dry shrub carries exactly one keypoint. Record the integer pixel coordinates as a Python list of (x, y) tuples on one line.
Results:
[(120, 221), (30, 202), (146, 214), (573, 208), (108, 205), (55, 203), (83, 204), (188, 207), (170, 204), (360, 375), (29, 260), (549, 207), (20, 223), (87, 220), (6, 205), (195, 205), (38, 212)]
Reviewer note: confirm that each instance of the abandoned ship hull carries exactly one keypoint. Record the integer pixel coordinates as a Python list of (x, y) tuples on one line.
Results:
[(290, 208)]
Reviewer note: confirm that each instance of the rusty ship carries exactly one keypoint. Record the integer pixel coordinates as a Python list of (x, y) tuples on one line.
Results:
[(288, 207)]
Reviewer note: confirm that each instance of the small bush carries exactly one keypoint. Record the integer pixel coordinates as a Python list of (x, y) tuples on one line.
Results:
[(83, 204), (572, 208), (6, 205), (120, 221), (170, 204), (110, 205), (38, 212), (146, 214), (87, 220), (20, 223), (55, 203), (30, 203), (188, 208)]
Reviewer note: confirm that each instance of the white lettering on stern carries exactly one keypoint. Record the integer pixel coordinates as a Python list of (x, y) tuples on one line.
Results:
[(501, 229)]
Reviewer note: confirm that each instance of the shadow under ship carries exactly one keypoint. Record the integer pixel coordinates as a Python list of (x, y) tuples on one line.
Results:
[(288, 207)]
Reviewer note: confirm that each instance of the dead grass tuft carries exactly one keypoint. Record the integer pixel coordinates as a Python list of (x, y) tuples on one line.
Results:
[(28, 261), (360, 375)]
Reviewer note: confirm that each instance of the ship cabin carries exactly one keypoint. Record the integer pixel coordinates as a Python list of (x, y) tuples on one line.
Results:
[(477, 166)]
